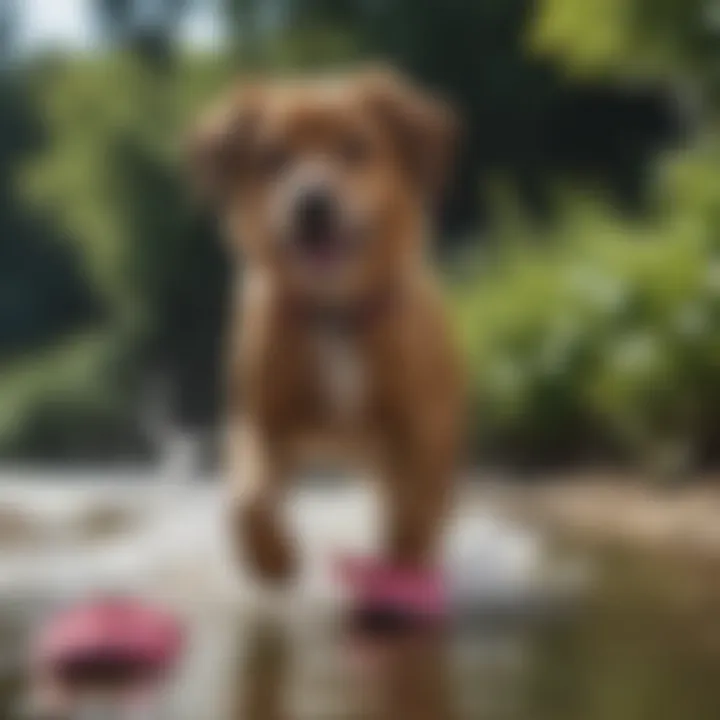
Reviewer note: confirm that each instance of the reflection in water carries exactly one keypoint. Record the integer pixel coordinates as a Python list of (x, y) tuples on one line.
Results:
[(645, 645), (261, 688), (399, 678), (328, 674), (407, 678)]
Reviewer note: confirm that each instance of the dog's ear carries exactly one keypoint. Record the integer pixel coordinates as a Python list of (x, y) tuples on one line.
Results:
[(220, 144), (426, 129)]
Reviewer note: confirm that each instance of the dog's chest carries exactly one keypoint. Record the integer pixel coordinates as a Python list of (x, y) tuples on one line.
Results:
[(341, 375)]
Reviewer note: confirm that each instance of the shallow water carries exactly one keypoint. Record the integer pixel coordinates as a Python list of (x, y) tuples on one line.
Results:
[(645, 643)]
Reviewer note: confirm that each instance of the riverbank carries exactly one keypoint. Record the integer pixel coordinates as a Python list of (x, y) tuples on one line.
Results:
[(616, 509), (37, 507)]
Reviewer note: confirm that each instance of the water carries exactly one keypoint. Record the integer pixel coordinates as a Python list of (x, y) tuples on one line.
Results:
[(644, 642)]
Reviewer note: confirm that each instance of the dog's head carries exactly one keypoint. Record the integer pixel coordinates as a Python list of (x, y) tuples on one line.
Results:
[(327, 181)]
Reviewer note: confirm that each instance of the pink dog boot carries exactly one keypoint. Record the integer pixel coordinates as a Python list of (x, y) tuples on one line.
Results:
[(386, 597), (110, 639)]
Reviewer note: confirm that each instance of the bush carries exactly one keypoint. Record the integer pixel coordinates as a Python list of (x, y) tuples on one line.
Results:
[(600, 341)]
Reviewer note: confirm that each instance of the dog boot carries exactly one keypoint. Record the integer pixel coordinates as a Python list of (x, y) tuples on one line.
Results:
[(388, 597)]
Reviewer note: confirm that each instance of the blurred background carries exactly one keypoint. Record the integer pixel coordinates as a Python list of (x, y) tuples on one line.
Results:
[(580, 241), (580, 249)]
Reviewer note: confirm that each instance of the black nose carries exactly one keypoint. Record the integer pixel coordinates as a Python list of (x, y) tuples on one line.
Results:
[(315, 213)]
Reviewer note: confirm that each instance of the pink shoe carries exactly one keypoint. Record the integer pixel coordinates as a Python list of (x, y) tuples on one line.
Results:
[(378, 588), (113, 635)]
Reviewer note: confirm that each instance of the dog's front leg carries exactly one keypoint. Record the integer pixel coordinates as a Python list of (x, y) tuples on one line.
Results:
[(258, 483), (418, 483)]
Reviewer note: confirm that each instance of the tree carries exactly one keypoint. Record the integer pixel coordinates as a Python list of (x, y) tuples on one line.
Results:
[(148, 27), (670, 39)]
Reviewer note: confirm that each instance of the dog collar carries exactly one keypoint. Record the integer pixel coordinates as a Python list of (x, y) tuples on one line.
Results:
[(346, 318)]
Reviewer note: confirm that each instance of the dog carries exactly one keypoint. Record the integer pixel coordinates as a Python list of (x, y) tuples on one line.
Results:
[(325, 188)]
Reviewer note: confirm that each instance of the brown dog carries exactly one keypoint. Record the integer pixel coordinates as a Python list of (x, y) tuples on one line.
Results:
[(326, 186)]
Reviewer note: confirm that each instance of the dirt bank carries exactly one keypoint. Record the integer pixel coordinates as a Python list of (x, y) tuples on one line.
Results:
[(617, 508)]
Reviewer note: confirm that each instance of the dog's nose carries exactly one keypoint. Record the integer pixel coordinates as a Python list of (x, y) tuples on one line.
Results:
[(315, 213)]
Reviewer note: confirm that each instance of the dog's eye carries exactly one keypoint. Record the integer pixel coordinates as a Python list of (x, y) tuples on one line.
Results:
[(355, 150)]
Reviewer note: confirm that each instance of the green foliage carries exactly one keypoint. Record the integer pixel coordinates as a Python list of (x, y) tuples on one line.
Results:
[(107, 178), (630, 37), (593, 336), (40, 297), (603, 339), (111, 161), (62, 403)]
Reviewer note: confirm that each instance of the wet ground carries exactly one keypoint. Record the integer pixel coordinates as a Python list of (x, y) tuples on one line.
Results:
[(643, 642)]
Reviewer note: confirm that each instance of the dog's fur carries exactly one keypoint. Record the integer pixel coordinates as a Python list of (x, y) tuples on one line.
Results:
[(353, 350)]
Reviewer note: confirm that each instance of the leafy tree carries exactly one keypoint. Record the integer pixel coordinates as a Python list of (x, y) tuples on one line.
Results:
[(148, 26), (670, 39), (110, 275)]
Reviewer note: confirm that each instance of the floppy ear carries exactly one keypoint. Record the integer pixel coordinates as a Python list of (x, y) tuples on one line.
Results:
[(219, 147), (426, 128)]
